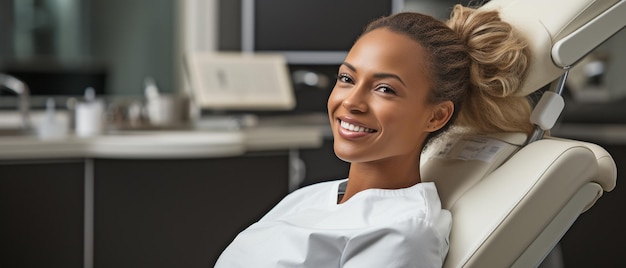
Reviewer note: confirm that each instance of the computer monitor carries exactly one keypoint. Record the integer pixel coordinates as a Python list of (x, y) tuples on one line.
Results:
[(309, 32), (240, 81)]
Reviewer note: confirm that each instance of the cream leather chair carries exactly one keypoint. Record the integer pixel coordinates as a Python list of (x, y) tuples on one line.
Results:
[(513, 197)]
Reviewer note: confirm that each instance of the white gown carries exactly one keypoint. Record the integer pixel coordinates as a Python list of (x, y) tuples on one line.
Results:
[(374, 228)]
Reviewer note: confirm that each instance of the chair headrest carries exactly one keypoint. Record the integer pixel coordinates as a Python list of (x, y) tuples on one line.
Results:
[(543, 28)]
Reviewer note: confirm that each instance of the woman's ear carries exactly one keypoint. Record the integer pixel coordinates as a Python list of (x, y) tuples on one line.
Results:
[(441, 114)]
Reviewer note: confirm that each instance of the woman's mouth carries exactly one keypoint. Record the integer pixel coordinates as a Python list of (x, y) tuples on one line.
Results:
[(355, 128)]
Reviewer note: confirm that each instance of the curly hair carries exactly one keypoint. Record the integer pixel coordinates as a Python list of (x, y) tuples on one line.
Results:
[(475, 60), (499, 64)]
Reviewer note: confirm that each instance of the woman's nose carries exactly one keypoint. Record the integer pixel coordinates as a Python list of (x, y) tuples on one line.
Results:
[(356, 100)]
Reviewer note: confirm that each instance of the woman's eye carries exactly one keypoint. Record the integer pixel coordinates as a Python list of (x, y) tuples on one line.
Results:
[(386, 90), (344, 78)]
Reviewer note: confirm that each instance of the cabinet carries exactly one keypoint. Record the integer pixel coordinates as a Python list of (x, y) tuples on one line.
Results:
[(41, 210), (180, 213), (146, 212)]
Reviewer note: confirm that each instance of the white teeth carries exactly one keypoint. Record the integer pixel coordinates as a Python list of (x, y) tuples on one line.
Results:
[(355, 128)]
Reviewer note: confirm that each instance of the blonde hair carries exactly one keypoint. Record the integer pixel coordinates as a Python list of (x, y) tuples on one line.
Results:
[(476, 61), (499, 63)]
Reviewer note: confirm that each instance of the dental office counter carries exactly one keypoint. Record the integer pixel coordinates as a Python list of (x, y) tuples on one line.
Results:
[(141, 199)]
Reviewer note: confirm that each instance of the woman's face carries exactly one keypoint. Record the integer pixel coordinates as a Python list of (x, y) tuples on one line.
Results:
[(378, 108)]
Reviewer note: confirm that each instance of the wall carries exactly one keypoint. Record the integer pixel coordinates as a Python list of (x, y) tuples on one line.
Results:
[(136, 39), (131, 39)]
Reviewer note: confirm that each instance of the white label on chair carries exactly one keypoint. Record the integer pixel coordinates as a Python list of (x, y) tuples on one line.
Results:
[(472, 148)]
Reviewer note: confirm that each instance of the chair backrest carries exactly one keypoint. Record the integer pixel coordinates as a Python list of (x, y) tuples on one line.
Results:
[(512, 200), (512, 203)]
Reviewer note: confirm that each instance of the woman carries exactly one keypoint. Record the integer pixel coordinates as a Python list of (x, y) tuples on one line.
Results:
[(402, 83)]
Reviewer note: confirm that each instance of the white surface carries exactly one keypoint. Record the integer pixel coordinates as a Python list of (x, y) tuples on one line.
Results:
[(375, 228), (569, 50), (547, 110), (139, 145), (555, 230), (89, 118), (162, 144)]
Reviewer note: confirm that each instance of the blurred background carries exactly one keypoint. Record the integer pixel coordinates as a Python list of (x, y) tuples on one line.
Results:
[(59, 48)]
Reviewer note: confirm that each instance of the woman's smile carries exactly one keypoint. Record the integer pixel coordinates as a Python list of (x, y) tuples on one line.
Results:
[(353, 129)]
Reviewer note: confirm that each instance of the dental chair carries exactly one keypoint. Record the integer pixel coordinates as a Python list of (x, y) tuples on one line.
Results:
[(513, 196)]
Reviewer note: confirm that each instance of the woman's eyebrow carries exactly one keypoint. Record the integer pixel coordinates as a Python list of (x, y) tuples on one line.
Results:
[(376, 75), (349, 66), (389, 75)]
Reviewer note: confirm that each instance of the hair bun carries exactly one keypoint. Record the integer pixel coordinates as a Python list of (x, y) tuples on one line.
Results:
[(499, 56), (499, 60)]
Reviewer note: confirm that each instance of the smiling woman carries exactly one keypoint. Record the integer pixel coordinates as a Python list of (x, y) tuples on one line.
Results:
[(402, 83), (382, 87)]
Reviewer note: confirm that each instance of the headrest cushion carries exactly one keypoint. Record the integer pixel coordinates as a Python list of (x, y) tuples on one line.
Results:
[(543, 23)]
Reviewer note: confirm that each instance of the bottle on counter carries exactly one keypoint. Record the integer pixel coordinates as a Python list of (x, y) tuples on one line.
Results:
[(89, 120), (51, 126)]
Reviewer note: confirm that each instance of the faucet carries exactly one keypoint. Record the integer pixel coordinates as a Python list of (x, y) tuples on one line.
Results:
[(21, 89)]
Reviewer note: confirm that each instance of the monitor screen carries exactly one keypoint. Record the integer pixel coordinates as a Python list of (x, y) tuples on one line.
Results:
[(239, 81), (309, 32)]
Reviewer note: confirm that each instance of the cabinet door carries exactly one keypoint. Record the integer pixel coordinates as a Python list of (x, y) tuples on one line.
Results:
[(180, 212), (322, 164), (41, 210)]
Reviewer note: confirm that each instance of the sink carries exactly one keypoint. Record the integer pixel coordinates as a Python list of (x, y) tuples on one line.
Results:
[(11, 124)]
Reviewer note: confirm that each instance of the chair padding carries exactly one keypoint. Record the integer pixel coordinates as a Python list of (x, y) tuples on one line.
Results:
[(503, 211), (607, 170), (457, 161)]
